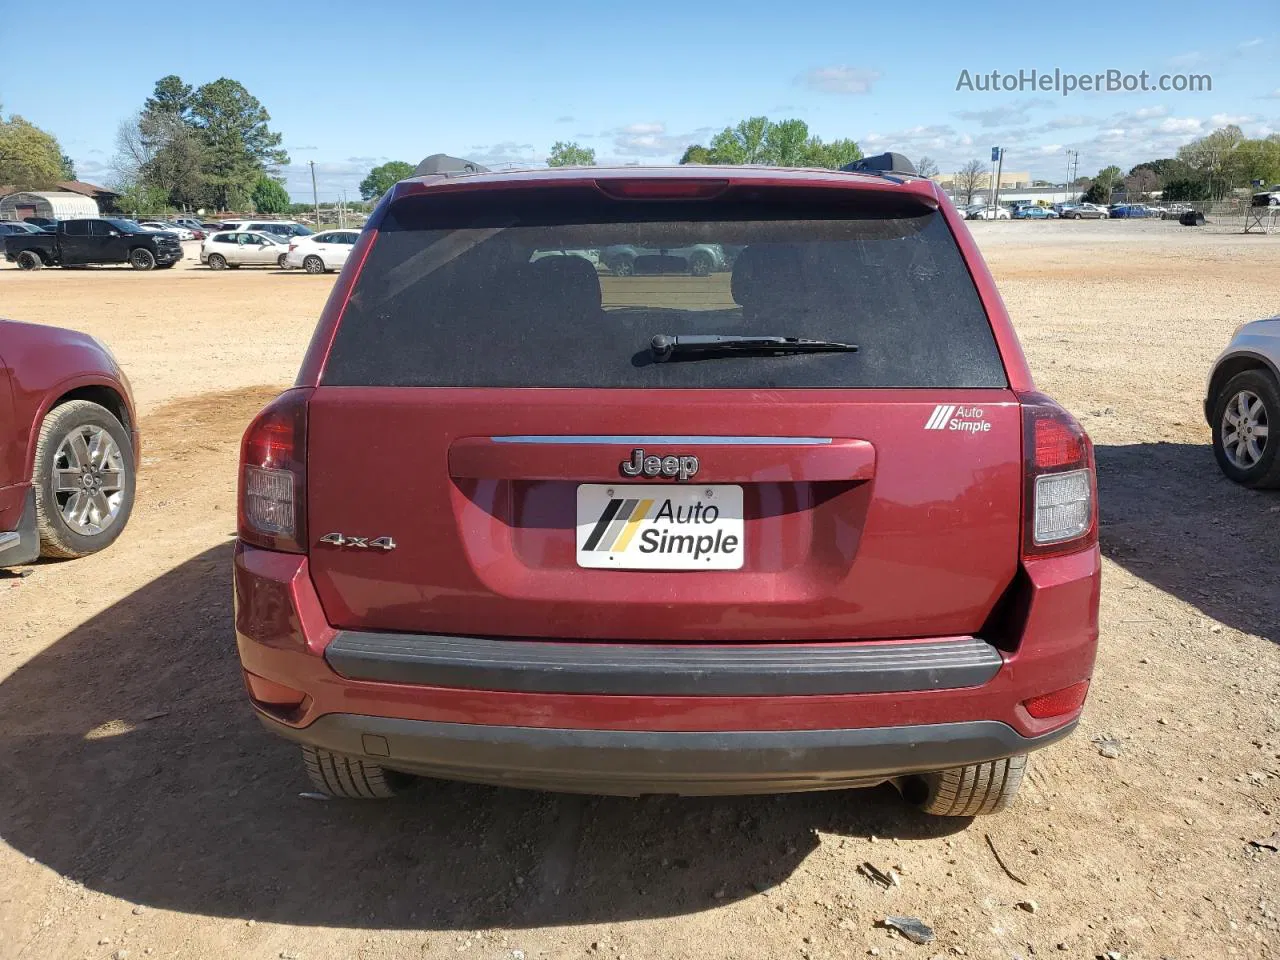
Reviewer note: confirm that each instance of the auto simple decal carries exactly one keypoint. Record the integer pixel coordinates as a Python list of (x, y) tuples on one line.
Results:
[(949, 416)]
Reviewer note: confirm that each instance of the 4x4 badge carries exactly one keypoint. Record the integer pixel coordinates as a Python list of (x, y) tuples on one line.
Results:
[(362, 543), (679, 468)]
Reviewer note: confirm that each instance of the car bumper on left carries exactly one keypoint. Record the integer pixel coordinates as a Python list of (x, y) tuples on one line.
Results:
[(22, 544)]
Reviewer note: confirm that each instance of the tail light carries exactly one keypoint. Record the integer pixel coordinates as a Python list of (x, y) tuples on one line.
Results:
[(1059, 702), (1060, 491), (273, 477), (293, 247)]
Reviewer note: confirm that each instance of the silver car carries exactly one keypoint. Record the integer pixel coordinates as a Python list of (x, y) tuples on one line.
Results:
[(1242, 403)]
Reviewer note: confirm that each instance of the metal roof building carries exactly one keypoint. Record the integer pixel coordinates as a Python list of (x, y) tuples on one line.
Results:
[(53, 205)]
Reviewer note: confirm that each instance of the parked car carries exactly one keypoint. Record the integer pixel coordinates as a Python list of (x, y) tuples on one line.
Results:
[(1175, 211), (1267, 198), (94, 241), (41, 222), (1031, 212), (191, 223), (68, 444), (1084, 211), (1129, 211), (159, 226), (661, 543), (322, 251), (280, 228), (242, 248), (988, 213), (1242, 404), (699, 259), (10, 228)]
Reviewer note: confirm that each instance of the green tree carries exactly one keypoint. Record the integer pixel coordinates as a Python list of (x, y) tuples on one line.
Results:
[(238, 145), (1214, 157), (758, 140), (171, 97), (30, 158), (383, 178), (139, 199), (1104, 184), (566, 153), (176, 156), (696, 153), (1185, 188), (269, 196), (68, 168)]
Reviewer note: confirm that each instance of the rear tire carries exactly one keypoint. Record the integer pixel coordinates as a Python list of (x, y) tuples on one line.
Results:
[(140, 258), (217, 261), (313, 264), (972, 791), (701, 264), (29, 260), (622, 267), (282, 261), (336, 775)]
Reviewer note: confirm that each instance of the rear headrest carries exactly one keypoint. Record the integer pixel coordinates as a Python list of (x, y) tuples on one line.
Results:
[(569, 282), (765, 273)]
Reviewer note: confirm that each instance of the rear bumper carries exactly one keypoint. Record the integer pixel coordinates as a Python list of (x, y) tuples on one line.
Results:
[(637, 762), (22, 544), (748, 717)]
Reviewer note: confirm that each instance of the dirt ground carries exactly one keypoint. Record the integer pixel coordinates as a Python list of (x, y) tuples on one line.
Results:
[(143, 812)]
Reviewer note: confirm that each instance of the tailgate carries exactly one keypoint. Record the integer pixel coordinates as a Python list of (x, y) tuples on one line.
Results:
[(885, 518)]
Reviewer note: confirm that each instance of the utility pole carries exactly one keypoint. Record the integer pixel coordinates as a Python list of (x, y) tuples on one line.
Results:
[(998, 152), (315, 195), (1073, 171)]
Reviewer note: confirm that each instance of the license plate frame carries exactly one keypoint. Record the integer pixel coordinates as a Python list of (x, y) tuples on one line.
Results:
[(634, 526)]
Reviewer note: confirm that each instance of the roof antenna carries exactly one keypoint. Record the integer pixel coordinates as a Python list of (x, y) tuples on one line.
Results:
[(441, 164)]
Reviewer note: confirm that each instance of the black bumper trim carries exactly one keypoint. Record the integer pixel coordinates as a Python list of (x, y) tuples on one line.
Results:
[(637, 762), (621, 669)]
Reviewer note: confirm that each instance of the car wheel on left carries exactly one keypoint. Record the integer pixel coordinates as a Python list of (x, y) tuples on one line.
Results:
[(83, 479), (1243, 414), (282, 261)]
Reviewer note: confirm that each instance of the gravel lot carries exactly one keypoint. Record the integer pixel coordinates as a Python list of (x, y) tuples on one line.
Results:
[(143, 812)]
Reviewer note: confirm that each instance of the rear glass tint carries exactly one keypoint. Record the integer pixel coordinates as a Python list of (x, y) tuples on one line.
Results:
[(562, 287)]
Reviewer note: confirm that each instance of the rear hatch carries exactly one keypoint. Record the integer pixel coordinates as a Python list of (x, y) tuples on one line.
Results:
[(493, 404)]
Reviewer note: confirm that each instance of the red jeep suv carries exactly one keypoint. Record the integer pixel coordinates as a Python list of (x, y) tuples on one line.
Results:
[(802, 523)]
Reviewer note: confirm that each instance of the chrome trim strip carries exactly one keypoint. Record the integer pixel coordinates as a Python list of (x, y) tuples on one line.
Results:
[(637, 440)]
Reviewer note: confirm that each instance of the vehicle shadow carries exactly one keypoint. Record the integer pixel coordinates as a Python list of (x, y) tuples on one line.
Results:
[(133, 765), (1170, 517)]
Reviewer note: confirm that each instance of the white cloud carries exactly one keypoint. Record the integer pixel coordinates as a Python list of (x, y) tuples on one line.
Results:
[(1250, 44), (1180, 125), (643, 129), (1009, 113), (1273, 95), (652, 140), (1223, 119), (841, 79)]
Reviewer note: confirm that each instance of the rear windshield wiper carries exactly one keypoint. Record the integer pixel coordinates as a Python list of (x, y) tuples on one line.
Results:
[(664, 347)]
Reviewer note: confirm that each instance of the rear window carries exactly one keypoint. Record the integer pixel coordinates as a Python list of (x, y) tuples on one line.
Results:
[(563, 287)]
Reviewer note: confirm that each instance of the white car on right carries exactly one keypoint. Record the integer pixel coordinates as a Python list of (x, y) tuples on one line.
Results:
[(986, 212), (321, 252), (1242, 404)]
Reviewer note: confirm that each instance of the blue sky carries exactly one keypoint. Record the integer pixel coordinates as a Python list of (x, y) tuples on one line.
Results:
[(352, 86)]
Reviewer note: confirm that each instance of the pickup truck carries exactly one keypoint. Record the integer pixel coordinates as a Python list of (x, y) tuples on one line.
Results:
[(90, 241)]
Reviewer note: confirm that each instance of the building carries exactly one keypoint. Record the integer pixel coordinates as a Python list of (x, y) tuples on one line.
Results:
[(104, 198), (1009, 180), (53, 205)]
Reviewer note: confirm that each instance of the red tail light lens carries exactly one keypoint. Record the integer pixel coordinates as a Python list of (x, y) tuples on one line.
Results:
[(662, 188), (1060, 491), (273, 478), (1059, 703)]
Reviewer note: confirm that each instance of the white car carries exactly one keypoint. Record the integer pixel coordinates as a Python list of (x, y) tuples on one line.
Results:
[(982, 212), (242, 248), (284, 229), (321, 252), (157, 226), (1242, 404)]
